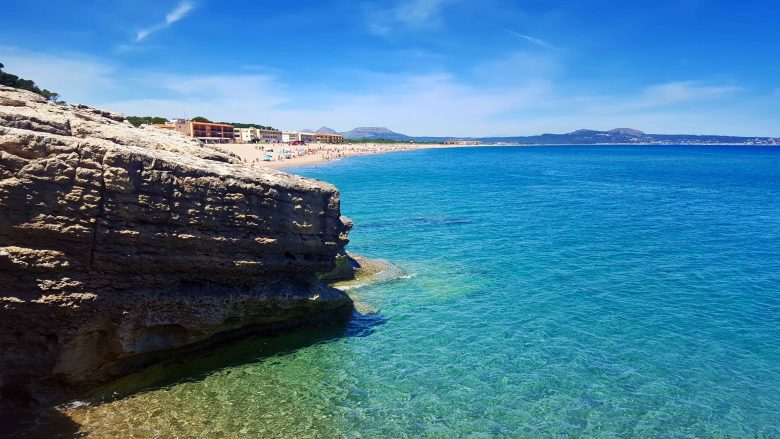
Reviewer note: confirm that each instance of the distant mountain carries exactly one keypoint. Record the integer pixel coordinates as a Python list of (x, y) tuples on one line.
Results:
[(327, 130), (307, 130), (375, 133), (627, 132), (620, 136)]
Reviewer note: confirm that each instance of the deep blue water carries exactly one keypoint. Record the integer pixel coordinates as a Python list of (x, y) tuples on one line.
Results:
[(554, 292)]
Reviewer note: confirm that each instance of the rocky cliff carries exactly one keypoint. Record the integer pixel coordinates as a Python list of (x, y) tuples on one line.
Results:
[(120, 245)]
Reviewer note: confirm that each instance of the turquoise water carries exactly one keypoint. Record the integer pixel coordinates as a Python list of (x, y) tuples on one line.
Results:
[(553, 292)]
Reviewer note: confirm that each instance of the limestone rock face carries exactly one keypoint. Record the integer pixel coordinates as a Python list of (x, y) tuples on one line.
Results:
[(119, 245)]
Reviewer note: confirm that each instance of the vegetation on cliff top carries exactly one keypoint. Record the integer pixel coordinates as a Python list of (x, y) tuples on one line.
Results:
[(234, 124), (148, 120), (249, 125), (27, 84)]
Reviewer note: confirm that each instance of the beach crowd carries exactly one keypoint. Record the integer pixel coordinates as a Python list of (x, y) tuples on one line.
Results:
[(282, 155)]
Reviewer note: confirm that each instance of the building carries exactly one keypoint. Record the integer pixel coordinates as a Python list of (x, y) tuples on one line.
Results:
[(329, 138), (268, 135), (206, 132), (463, 142), (253, 135), (298, 136), (243, 135)]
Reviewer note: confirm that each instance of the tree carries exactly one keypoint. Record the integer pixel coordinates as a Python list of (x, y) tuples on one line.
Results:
[(248, 125), (25, 84), (200, 119), (51, 96), (148, 120)]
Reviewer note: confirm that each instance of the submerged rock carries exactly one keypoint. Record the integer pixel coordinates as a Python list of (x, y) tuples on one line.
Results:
[(121, 245), (365, 271)]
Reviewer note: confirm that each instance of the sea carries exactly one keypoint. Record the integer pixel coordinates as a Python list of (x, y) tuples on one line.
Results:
[(549, 292)]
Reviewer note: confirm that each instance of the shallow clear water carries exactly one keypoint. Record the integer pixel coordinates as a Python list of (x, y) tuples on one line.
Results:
[(554, 292)]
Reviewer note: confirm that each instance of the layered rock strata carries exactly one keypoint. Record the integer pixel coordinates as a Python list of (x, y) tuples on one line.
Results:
[(119, 245)]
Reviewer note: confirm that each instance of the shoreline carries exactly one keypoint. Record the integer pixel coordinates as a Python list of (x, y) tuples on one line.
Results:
[(319, 153), (283, 155)]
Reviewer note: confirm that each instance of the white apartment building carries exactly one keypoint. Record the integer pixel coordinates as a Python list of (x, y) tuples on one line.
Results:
[(251, 135), (243, 135), (269, 136), (298, 136)]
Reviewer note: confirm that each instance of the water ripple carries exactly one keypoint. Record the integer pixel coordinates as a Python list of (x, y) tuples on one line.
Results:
[(558, 292)]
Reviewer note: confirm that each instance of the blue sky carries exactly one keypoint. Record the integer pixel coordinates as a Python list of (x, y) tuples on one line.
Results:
[(421, 67)]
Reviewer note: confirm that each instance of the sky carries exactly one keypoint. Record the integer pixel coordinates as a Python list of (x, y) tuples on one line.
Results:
[(419, 67)]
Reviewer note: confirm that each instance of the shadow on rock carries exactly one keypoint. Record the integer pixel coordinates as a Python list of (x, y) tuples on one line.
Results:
[(41, 423), (198, 365), (194, 366)]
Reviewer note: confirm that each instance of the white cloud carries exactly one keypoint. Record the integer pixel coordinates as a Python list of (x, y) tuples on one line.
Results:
[(418, 104), (381, 20), (417, 12), (232, 97), (75, 77), (143, 33), (179, 12), (536, 41), (675, 93), (439, 103)]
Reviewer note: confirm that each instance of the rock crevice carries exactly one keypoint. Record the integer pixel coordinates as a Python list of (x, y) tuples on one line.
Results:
[(120, 245)]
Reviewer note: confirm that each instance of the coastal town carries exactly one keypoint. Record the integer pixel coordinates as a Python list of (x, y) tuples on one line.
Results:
[(260, 145), (210, 132), (269, 147), (264, 146)]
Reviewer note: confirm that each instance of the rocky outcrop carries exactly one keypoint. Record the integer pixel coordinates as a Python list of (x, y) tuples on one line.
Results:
[(120, 245)]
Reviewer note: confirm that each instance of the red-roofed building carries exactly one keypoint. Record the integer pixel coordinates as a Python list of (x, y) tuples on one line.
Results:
[(206, 132)]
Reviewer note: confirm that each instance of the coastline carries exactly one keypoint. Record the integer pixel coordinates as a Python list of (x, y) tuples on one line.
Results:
[(319, 153), (215, 397)]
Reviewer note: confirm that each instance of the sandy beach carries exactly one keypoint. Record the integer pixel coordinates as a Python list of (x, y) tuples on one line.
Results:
[(284, 155)]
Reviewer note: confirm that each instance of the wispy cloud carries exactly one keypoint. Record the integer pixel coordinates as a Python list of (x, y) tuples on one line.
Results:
[(179, 12), (439, 103), (382, 20), (436, 103), (533, 40), (680, 92), (77, 77), (417, 12)]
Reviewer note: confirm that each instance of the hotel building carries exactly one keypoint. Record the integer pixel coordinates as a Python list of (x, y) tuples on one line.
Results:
[(206, 132), (298, 136), (268, 136), (262, 135), (329, 138)]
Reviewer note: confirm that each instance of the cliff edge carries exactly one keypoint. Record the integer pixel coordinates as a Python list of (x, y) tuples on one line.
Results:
[(120, 245)]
